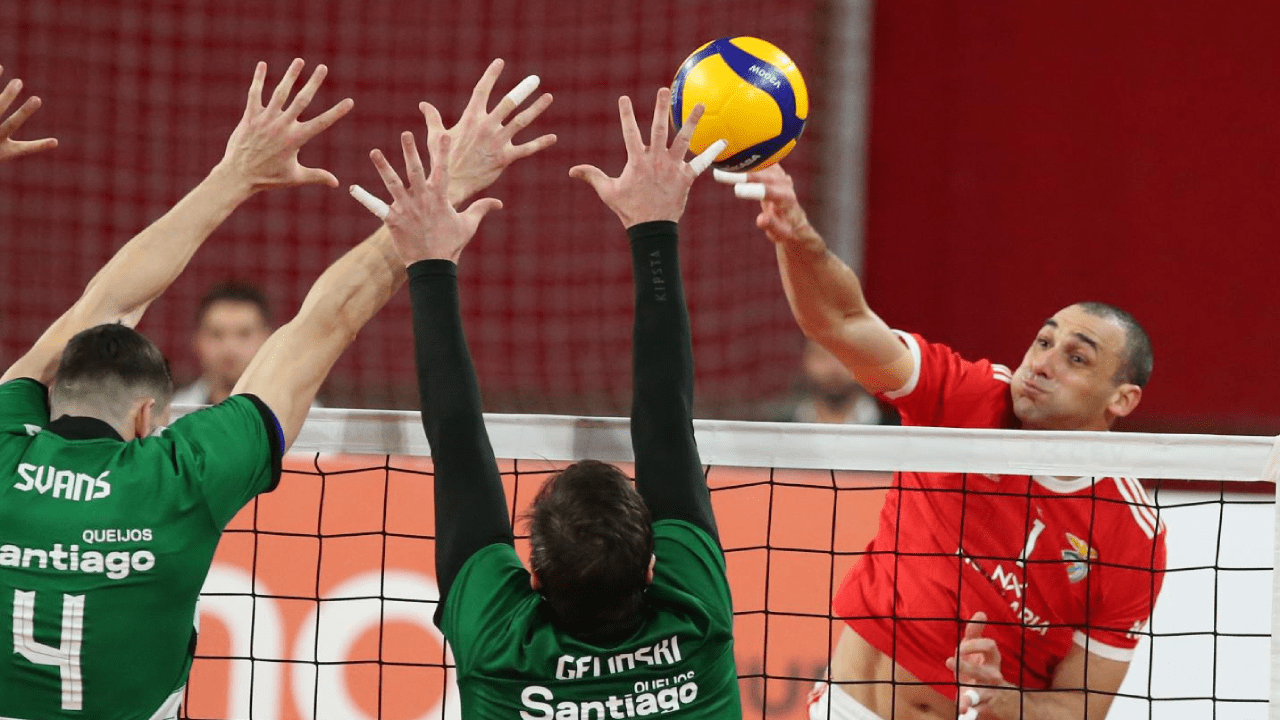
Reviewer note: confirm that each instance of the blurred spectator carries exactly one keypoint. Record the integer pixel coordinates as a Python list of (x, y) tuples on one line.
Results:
[(829, 394), (232, 322)]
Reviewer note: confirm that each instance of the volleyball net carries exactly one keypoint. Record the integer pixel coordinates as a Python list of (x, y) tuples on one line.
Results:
[(320, 599)]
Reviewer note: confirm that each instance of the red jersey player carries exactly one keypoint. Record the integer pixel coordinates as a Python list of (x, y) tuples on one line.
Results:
[(977, 588)]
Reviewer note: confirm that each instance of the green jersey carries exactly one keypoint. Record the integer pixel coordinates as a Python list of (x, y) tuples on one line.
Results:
[(513, 663), (104, 545)]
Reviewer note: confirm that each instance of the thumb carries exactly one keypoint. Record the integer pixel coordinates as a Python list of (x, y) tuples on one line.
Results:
[(434, 122), (590, 174), (317, 176), (478, 209)]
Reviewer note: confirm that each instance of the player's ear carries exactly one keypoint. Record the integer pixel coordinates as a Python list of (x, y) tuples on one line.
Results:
[(1124, 400), (648, 574), (143, 415)]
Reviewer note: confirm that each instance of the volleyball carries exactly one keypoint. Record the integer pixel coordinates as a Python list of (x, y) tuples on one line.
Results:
[(754, 96)]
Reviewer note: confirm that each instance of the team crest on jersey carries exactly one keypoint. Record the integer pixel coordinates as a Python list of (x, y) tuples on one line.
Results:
[(1078, 557)]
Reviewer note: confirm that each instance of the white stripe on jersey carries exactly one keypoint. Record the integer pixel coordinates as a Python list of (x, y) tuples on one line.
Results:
[(1148, 507), (1135, 507), (1001, 373), (1101, 649)]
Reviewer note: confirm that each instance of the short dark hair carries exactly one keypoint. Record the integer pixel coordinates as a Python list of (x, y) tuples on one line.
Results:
[(111, 366), (592, 538), (1137, 356), (235, 291)]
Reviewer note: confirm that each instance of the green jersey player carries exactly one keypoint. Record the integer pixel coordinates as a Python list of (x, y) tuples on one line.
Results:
[(626, 612), (108, 527)]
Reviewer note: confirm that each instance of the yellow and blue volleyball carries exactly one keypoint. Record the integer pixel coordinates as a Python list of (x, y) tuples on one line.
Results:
[(754, 96)]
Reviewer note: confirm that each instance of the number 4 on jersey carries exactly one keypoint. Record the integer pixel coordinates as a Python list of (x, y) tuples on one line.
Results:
[(66, 657)]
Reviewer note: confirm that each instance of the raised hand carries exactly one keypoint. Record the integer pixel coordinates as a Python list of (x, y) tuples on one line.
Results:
[(655, 182), (781, 216), (424, 225), (482, 146), (262, 152), (10, 148)]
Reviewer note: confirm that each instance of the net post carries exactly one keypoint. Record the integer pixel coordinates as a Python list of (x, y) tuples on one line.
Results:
[(1271, 473)]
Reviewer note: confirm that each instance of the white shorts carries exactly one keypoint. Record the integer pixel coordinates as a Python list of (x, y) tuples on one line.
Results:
[(831, 702)]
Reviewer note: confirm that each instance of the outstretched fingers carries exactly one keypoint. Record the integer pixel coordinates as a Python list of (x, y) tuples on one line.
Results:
[(630, 130), (308, 91), (479, 102), (14, 121), (703, 160), (285, 85), (439, 154), (321, 122), (687, 128), (389, 177), (526, 117), (11, 90), (253, 104), (661, 111), (516, 97), (412, 160), (370, 202)]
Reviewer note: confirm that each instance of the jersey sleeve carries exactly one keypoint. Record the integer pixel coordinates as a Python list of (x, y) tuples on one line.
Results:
[(1120, 606), (690, 560), (231, 451), (491, 585), (946, 390), (24, 404)]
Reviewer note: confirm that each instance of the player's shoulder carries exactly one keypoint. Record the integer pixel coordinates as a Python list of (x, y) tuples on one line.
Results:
[(946, 388), (235, 415), (689, 537), (1129, 509)]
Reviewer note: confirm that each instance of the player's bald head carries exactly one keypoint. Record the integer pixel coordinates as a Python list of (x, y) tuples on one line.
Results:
[(1136, 358)]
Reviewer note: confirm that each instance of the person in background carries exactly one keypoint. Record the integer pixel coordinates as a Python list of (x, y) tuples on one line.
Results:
[(232, 322), (830, 394)]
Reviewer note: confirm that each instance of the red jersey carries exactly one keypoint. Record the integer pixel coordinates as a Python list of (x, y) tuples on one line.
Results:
[(1052, 562)]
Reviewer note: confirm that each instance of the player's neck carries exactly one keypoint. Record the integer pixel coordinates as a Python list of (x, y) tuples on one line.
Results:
[(122, 428)]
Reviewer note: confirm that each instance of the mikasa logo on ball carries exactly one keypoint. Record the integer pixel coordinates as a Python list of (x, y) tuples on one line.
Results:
[(744, 163), (766, 74)]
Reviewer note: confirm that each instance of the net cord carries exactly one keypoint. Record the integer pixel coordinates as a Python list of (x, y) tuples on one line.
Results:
[(806, 446)]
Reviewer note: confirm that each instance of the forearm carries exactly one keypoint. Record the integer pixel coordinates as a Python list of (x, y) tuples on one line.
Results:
[(288, 369), (1044, 705), (669, 471), (470, 504), (149, 263), (824, 293)]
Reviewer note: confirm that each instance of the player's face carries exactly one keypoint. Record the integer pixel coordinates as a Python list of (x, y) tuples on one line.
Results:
[(229, 335), (1067, 379)]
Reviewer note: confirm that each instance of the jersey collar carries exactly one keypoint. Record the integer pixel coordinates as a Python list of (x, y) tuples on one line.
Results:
[(75, 427)]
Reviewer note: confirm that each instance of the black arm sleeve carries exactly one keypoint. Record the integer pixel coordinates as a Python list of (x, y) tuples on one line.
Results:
[(471, 507), (668, 470)]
